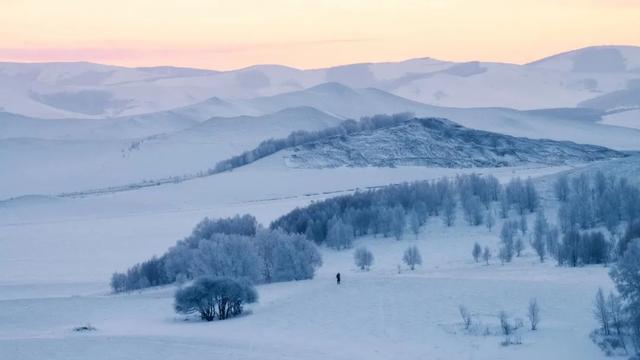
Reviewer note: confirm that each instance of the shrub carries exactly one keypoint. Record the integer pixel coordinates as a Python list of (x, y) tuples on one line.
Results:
[(215, 297)]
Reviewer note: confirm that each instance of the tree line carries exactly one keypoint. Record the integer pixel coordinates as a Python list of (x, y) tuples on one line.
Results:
[(395, 209), (300, 137), (590, 201)]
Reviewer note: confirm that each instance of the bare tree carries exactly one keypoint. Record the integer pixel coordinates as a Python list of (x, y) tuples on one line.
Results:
[(616, 315), (601, 312), (466, 316), (533, 313), (505, 325)]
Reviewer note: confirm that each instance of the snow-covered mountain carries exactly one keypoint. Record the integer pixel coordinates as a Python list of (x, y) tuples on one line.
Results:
[(439, 143), (85, 90)]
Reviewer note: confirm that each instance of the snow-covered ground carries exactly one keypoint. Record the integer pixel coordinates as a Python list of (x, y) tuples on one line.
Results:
[(381, 314), (58, 253), (628, 119)]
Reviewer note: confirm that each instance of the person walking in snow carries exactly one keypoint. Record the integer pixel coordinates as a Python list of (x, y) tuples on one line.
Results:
[(338, 278)]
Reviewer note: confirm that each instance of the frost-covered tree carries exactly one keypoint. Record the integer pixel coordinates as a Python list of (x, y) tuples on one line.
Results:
[(398, 222), (552, 242), (504, 206), (476, 252), (601, 312), (449, 210), (286, 257), (213, 297), (626, 275), (532, 197), (561, 187), (261, 256), (617, 316), (473, 210), (414, 222), (412, 257), (363, 258), (507, 235), (523, 225), (582, 249), (486, 255), (339, 234), (540, 232), (119, 282), (518, 246), (231, 256), (489, 220), (631, 233)]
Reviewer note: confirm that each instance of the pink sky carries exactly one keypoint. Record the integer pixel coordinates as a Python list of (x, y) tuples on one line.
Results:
[(223, 34)]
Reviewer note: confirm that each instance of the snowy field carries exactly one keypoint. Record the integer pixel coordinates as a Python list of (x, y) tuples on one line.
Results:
[(58, 254), (382, 314)]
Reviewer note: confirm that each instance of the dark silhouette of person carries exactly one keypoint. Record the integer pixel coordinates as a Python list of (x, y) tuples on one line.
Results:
[(338, 278)]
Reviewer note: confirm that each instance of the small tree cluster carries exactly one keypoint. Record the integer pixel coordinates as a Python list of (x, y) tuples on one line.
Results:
[(233, 247), (583, 249), (522, 195), (479, 253), (213, 297), (593, 200)]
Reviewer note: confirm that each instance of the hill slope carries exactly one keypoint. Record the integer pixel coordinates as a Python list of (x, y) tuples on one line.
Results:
[(436, 142)]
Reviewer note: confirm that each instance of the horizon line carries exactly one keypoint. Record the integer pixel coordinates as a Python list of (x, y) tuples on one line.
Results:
[(115, 64)]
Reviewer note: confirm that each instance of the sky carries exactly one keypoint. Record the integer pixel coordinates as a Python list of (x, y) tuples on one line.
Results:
[(229, 34)]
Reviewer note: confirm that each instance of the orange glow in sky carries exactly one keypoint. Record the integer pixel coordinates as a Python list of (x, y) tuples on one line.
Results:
[(226, 34)]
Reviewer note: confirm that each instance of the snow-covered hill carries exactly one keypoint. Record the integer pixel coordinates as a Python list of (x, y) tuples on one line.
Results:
[(72, 164), (439, 143), (574, 124)]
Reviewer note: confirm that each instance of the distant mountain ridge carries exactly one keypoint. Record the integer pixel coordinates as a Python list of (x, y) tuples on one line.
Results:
[(86, 90)]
